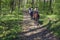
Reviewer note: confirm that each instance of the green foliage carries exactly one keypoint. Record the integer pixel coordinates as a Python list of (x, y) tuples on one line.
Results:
[(10, 25), (56, 29), (10, 21)]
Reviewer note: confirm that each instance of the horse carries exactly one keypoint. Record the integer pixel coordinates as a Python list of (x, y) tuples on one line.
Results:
[(36, 17)]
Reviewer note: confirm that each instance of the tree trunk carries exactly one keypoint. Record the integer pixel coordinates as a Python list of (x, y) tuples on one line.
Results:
[(19, 5), (32, 3), (12, 5), (50, 4), (50, 7), (0, 5), (44, 5)]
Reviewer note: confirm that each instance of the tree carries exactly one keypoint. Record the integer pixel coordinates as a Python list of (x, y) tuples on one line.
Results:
[(50, 6), (12, 5), (32, 3), (19, 4), (0, 4), (44, 5)]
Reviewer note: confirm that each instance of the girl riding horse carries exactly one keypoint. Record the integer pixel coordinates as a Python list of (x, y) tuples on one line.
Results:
[(36, 16)]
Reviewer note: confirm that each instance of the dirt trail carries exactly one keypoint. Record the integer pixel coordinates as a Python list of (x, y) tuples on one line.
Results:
[(33, 32)]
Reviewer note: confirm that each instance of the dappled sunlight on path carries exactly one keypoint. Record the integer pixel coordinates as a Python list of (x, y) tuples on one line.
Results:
[(30, 31)]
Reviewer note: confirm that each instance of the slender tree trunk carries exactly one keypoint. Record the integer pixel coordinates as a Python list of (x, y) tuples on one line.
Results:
[(19, 5), (44, 5), (50, 7), (47, 3), (50, 4), (32, 3), (0, 4), (12, 5), (39, 4)]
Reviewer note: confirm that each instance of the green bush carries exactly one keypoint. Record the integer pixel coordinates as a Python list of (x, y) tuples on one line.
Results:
[(56, 28), (10, 26), (9, 29)]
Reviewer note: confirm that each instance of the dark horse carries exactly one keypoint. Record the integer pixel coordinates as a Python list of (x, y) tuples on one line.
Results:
[(36, 16)]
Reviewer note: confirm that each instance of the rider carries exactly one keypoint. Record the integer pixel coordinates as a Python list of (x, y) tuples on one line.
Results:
[(36, 16), (36, 10), (31, 12)]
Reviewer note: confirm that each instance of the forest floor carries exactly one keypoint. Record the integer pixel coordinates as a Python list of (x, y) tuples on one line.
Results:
[(33, 32)]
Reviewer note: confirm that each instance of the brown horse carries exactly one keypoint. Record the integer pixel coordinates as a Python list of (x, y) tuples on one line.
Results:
[(36, 17)]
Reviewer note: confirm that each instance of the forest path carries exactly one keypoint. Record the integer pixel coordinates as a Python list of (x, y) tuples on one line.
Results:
[(33, 32)]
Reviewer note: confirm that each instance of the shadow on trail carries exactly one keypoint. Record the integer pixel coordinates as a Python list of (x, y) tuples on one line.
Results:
[(47, 27), (44, 34)]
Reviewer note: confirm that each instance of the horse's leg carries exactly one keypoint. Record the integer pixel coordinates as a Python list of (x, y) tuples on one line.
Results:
[(34, 16), (37, 21), (30, 16), (34, 20)]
